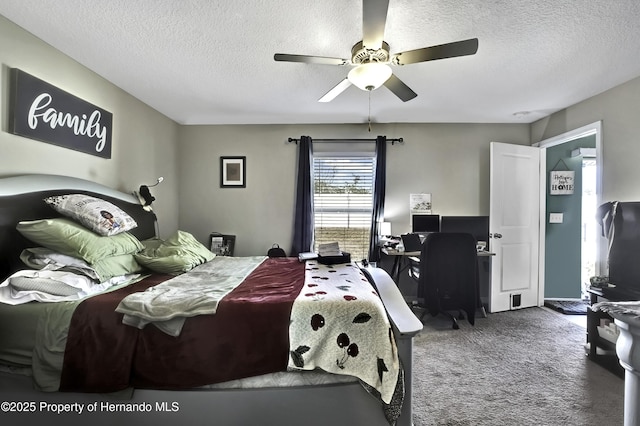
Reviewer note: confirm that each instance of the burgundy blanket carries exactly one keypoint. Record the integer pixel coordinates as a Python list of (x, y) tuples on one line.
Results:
[(247, 336)]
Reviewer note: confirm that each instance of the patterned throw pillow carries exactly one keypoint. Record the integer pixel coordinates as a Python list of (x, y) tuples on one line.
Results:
[(100, 216)]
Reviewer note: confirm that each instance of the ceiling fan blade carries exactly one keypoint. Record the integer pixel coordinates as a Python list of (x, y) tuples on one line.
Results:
[(374, 19), (449, 50), (322, 60), (399, 89), (339, 88)]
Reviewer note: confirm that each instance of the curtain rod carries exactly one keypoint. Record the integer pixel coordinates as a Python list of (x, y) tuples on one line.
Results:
[(393, 141)]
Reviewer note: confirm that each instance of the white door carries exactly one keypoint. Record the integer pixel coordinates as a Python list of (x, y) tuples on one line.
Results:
[(514, 221)]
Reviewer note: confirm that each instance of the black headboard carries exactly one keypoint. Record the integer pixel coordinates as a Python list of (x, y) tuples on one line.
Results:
[(21, 198)]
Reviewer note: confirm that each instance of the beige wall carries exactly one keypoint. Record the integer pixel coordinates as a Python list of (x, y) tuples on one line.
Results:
[(143, 142), (618, 110), (450, 161)]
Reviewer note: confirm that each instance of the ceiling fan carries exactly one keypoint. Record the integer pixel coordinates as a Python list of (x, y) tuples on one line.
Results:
[(371, 56)]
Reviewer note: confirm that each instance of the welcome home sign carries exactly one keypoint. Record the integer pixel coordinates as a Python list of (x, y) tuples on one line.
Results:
[(43, 112)]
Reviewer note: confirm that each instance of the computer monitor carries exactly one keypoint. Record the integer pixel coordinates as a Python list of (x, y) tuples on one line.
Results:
[(422, 223), (478, 226)]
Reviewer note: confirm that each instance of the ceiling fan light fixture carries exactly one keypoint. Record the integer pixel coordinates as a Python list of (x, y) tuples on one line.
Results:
[(369, 76)]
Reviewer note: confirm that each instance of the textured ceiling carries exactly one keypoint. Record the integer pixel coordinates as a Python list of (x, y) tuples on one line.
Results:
[(211, 62)]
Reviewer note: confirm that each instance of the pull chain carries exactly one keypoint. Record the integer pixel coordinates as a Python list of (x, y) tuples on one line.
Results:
[(369, 111)]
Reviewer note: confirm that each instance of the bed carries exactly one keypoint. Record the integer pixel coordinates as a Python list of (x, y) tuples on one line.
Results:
[(184, 367)]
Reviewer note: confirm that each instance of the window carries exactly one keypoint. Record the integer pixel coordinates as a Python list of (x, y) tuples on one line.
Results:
[(343, 201)]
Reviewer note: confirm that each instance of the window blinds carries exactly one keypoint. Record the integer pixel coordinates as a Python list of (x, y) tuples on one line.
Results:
[(343, 201)]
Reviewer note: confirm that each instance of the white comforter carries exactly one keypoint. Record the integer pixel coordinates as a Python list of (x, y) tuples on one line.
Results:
[(51, 286), (54, 277)]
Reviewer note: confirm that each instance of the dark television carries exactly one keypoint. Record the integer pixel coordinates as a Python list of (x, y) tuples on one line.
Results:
[(422, 223), (478, 226), (624, 246)]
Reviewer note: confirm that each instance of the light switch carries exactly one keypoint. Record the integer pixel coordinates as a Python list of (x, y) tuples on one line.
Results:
[(555, 217)]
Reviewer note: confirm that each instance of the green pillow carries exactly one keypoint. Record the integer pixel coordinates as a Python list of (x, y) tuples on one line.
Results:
[(67, 237), (116, 266), (180, 253), (101, 270)]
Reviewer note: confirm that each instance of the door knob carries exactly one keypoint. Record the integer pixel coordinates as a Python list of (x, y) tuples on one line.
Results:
[(496, 235)]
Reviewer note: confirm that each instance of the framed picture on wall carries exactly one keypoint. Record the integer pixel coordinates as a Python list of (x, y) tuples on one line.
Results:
[(420, 203), (561, 182), (233, 172)]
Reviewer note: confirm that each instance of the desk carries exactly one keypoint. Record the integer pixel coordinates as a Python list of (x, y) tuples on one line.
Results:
[(399, 257)]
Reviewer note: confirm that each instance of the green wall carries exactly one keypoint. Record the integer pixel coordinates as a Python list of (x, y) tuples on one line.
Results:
[(563, 240)]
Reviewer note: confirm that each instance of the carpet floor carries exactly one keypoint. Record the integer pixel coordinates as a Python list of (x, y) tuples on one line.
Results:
[(524, 367)]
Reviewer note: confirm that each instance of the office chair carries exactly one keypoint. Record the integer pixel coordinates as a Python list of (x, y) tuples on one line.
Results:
[(447, 275)]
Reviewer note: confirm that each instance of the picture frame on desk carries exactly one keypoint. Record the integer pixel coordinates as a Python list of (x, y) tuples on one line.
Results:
[(221, 244)]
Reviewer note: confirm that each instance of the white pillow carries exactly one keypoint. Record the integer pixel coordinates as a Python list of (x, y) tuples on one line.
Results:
[(100, 216)]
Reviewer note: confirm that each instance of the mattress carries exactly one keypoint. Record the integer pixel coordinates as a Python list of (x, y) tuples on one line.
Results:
[(272, 380)]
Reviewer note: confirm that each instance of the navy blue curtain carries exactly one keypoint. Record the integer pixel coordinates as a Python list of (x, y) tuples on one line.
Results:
[(379, 188), (303, 223)]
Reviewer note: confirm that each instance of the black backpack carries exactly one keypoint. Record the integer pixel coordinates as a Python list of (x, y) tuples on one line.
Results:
[(276, 251)]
